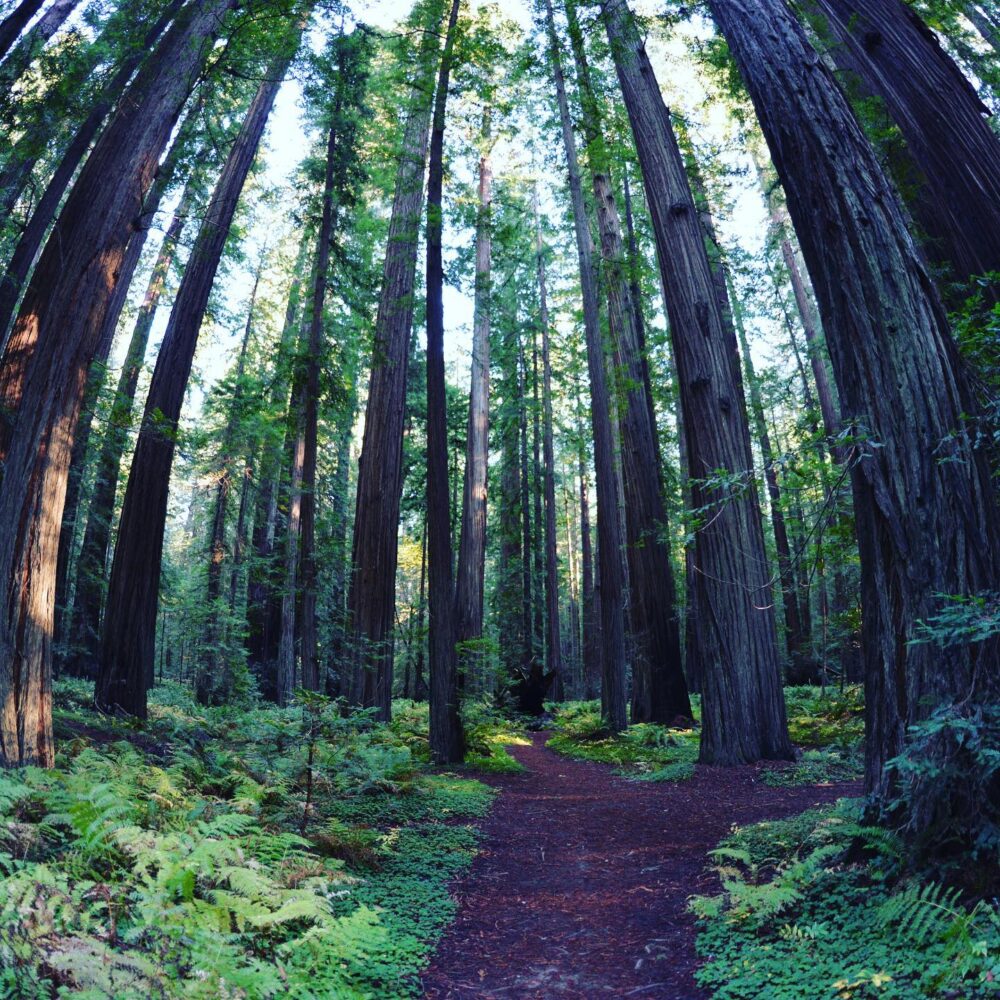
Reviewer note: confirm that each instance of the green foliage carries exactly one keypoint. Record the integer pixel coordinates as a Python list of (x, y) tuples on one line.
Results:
[(798, 918), (645, 751), (170, 863)]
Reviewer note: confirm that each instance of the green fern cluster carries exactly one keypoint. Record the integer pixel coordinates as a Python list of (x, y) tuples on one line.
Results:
[(182, 860), (799, 919)]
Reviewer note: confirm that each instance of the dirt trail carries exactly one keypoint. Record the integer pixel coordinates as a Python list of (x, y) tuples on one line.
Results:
[(581, 888)]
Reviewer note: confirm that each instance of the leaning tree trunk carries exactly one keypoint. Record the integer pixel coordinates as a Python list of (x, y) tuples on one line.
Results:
[(659, 689), (15, 22), (77, 266), (743, 710), (941, 118), (471, 567), (127, 646), (33, 42), (372, 595), (446, 738), (926, 512), (554, 638), (612, 574)]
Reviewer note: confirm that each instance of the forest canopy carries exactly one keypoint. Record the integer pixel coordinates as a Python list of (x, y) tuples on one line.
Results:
[(383, 382)]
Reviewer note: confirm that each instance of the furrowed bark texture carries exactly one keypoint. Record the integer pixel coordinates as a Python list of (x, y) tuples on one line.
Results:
[(127, 646), (926, 515), (941, 118), (60, 323), (612, 576), (372, 595), (743, 707)]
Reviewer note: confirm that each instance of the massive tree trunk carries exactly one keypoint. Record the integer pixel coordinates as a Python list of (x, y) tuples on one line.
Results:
[(608, 525), (554, 637), (472, 543), (15, 22), (956, 154), (78, 266), (659, 690), (85, 620), (17, 353), (127, 634), (446, 739), (372, 596), (743, 711), (926, 513)]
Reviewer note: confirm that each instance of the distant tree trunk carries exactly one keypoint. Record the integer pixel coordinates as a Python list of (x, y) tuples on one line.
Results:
[(524, 481), (900, 380), (553, 664), (941, 118), (338, 587), (538, 540), (20, 263), (85, 621), (15, 22), (133, 588), (286, 647), (608, 525), (592, 667), (510, 583), (32, 42), (471, 567), (419, 685), (446, 739), (987, 26), (743, 711), (372, 595), (77, 266)]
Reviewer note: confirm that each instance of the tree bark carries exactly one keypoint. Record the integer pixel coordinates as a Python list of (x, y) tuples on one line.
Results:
[(33, 41), (608, 526), (941, 118), (133, 588), (78, 265), (447, 741), (743, 711), (471, 567), (15, 22), (371, 599), (924, 489)]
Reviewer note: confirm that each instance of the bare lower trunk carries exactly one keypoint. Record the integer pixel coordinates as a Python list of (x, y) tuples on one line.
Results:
[(133, 588), (77, 266)]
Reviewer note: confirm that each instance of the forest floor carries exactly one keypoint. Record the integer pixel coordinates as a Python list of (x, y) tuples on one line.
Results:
[(581, 886)]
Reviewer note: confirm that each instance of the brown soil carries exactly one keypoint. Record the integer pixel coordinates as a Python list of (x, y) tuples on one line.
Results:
[(582, 884)]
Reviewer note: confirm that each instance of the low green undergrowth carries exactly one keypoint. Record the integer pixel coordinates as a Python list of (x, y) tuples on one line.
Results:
[(645, 751), (226, 853), (820, 906)]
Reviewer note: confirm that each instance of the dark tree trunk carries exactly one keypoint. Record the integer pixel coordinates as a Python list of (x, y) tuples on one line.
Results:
[(987, 26), (659, 690), (287, 673), (472, 543), (592, 667), (941, 119), (926, 514), (33, 41), (743, 710), (89, 573), (446, 739), (133, 588), (524, 480), (78, 265), (608, 526), (553, 664), (338, 587), (510, 583), (19, 266), (372, 595), (15, 22)]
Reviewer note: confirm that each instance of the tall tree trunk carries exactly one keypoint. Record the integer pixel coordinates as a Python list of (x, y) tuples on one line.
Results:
[(286, 675), (659, 690), (524, 482), (446, 739), (471, 567), (988, 27), (133, 588), (554, 638), (33, 41), (19, 265), (77, 266), (15, 22), (743, 710), (372, 596), (608, 525), (940, 116), (592, 666), (340, 554), (900, 380), (89, 573)]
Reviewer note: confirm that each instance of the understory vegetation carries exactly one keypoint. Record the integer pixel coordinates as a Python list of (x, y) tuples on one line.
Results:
[(261, 852), (822, 905), (825, 724)]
